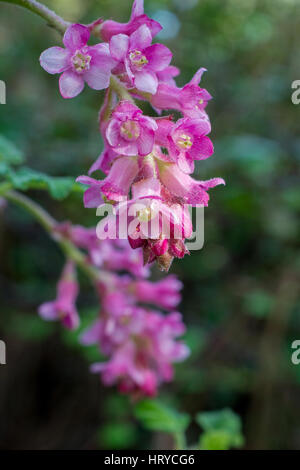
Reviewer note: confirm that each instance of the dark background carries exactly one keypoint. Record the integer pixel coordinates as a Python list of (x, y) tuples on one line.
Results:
[(240, 294)]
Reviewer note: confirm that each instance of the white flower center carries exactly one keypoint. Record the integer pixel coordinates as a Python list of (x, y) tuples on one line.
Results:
[(184, 141), (137, 59), (130, 130), (81, 61)]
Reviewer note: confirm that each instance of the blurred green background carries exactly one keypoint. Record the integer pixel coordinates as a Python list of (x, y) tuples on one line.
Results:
[(240, 294)]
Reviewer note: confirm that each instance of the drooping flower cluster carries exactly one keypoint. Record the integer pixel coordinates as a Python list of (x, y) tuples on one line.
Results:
[(140, 342), (148, 160)]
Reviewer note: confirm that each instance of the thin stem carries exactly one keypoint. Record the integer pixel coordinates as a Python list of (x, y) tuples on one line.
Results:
[(120, 89), (50, 16), (180, 441), (49, 224), (33, 208)]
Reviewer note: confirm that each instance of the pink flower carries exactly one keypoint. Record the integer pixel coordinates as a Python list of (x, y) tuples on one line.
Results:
[(188, 142), (110, 28), (117, 255), (164, 293), (191, 100), (127, 370), (104, 161), (115, 186), (63, 308), (78, 62), (167, 75), (142, 60), (129, 132), (144, 360), (184, 186)]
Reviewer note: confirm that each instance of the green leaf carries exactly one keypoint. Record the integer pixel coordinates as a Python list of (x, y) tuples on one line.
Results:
[(120, 435), (60, 187), (26, 178), (222, 430), (158, 417), (4, 168), (9, 153), (215, 440)]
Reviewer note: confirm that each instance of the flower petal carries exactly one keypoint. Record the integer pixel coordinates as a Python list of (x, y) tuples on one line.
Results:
[(137, 9), (158, 56), (70, 84), (183, 185), (185, 163), (103, 162), (55, 59), (118, 46), (117, 184), (76, 36), (48, 311), (202, 149), (197, 77), (145, 144), (146, 81), (113, 132), (208, 184), (92, 197), (97, 78), (141, 38)]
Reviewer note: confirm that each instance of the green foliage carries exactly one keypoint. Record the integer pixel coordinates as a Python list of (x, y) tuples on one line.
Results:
[(9, 153), (118, 435), (26, 178), (222, 430), (29, 327), (158, 417)]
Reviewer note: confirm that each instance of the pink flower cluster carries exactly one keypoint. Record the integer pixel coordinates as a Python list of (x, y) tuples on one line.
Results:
[(148, 160), (140, 342)]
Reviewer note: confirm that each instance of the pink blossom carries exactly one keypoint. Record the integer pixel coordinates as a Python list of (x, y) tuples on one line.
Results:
[(117, 255), (129, 132), (191, 100), (78, 63), (140, 363), (167, 75), (110, 28), (114, 187), (164, 293), (142, 60), (188, 141), (184, 186), (63, 308), (104, 161)]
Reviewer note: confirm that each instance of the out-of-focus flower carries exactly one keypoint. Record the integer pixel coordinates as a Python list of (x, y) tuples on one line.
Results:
[(164, 294), (144, 357), (63, 307)]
